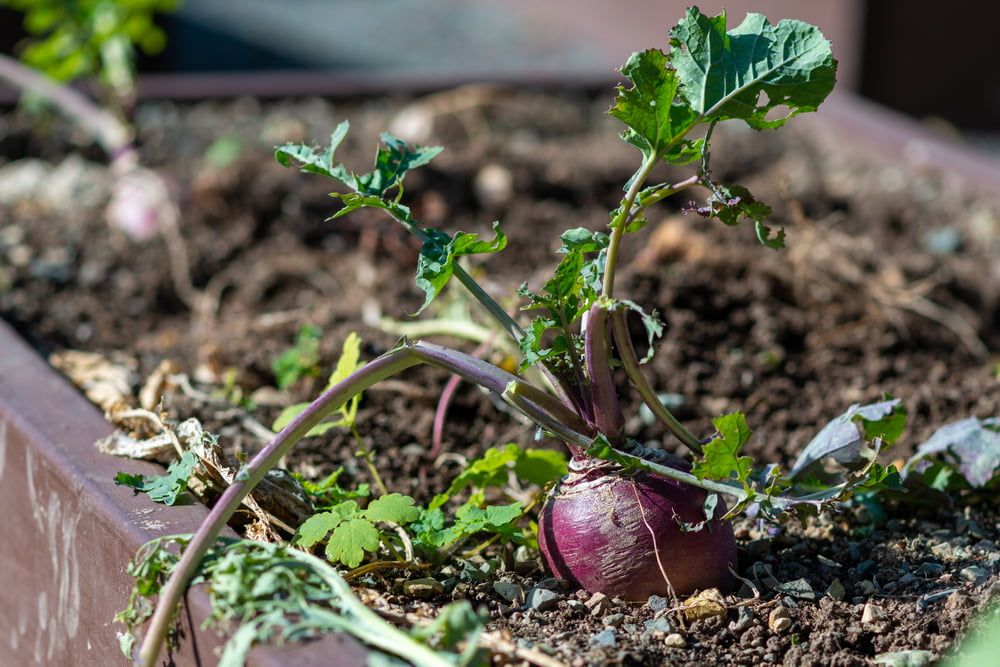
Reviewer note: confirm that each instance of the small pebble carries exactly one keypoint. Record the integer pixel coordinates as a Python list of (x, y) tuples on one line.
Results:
[(930, 569), (867, 587), (973, 573), (614, 620), (509, 591), (423, 589), (836, 590), (605, 637), (599, 604), (657, 602), (779, 620), (674, 640), (542, 599), (494, 185), (658, 627), (706, 604), (744, 617), (829, 562), (871, 614)]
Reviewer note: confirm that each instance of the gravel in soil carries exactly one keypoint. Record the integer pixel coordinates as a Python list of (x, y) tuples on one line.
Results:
[(890, 283)]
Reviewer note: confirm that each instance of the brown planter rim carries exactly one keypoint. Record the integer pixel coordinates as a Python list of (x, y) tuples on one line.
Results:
[(75, 530), (72, 531)]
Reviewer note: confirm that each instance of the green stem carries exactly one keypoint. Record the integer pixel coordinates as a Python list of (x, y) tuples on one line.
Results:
[(454, 328), (630, 362), (489, 303), (619, 223), (673, 473), (506, 322)]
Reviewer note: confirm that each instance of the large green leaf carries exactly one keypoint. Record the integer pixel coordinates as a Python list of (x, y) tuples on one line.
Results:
[(723, 74), (655, 120)]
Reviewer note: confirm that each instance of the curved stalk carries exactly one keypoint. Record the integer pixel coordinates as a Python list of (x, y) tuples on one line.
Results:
[(112, 135), (619, 223), (540, 406), (630, 362), (597, 352)]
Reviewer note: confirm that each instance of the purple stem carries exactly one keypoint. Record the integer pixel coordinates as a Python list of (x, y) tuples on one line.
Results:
[(607, 412), (545, 409), (441, 414)]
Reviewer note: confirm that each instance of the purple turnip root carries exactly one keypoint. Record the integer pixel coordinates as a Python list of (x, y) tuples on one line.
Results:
[(620, 534)]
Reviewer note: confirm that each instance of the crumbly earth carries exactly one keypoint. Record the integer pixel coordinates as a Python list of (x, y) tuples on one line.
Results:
[(890, 284)]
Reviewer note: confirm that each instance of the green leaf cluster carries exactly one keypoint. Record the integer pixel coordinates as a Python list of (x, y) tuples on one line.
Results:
[(167, 488), (347, 363), (383, 188), (710, 75), (299, 361), (84, 38), (440, 252), (350, 531), (493, 468), (328, 492), (571, 291), (276, 593), (721, 459), (434, 533)]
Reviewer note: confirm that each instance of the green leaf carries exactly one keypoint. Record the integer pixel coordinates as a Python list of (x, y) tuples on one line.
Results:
[(473, 519), (348, 362), (721, 458), (311, 160), (351, 540), (315, 529), (300, 360), (650, 322), (843, 439), (971, 445), (656, 121), (755, 67), (488, 470), (455, 623), (393, 507), (289, 413), (731, 204), (328, 492), (439, 252), (392, 161), (164, 489), (540, 466)]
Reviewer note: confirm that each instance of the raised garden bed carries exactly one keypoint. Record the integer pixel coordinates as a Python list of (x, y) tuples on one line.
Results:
[(792, 342)]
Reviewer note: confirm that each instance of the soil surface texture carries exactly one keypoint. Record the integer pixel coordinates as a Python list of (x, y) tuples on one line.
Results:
[(890, 284)]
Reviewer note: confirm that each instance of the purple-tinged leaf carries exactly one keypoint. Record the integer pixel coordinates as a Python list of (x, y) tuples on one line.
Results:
[(843, 438), (972, 444)]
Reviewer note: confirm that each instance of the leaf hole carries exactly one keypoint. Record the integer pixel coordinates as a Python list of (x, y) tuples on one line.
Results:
[(778, 111)]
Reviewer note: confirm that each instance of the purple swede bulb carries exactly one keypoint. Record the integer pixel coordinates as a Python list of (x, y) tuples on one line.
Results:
[(593, 532)]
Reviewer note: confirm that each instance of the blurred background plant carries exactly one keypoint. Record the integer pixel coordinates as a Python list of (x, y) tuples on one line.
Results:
[(84, 39)]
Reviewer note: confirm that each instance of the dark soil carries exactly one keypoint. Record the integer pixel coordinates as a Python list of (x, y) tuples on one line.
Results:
[(890, 284)]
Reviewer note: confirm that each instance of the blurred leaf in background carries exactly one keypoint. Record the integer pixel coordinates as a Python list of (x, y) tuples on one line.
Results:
[(78, 39)]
